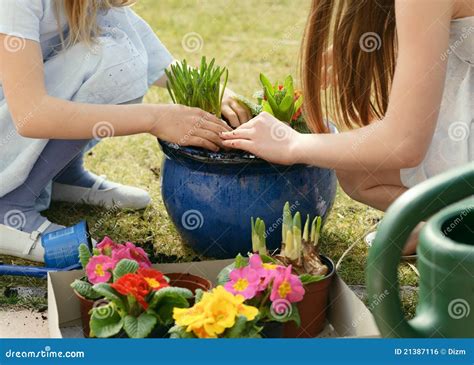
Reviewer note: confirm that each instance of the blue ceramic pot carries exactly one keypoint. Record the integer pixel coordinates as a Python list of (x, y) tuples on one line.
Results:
[(211, 197)]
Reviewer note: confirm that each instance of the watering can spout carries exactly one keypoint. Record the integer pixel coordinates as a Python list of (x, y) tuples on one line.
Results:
[(445, 259)]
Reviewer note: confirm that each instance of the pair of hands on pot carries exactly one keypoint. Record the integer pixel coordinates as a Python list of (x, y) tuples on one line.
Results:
[(194, 127)]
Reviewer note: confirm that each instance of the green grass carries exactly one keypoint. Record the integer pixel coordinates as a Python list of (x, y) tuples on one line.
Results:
[(247, 37)]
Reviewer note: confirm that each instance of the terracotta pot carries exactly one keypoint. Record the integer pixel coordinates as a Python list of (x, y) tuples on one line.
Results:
[(313, 307), (189, 281), (86, 306)]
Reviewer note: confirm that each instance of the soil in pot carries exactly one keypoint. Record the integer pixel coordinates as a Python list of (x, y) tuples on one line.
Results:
[(85, 306), (189, 281), (313, 307)]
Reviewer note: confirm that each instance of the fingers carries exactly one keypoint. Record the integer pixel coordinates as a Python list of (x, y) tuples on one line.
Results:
[(202, 142), (209, 136), (240, 144), (212, 119), (230, 115), (242, 112), (239, 133), (215, 127)]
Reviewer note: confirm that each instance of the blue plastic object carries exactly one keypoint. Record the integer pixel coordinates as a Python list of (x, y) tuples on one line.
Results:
[(211, 197), (61, 252)]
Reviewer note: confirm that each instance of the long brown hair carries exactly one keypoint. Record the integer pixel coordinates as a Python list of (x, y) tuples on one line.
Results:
[(362, 34), (82, 18)]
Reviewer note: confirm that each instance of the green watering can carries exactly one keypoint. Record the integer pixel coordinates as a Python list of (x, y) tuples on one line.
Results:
[(445, 259)]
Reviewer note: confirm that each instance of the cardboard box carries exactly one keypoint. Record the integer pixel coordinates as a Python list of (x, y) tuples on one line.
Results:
[(347, 316)]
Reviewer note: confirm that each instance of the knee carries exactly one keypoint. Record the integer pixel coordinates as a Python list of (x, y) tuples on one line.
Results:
[(352, 184)]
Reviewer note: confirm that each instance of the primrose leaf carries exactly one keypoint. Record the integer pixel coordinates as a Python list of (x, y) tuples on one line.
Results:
[(84, 255), (125, 266), (109, 293), (105, 321), (140, 327), (85, 289), (224, 276), (179, 294)]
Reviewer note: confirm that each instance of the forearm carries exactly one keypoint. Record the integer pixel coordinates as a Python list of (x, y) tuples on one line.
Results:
[(366, 148), (53, 118)]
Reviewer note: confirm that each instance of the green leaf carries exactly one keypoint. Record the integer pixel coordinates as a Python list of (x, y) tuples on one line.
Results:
[(198, 295), (223, 277), (139, 327), (105, 321), (180, 294), (291, 315), (85, 289), (180, 332), (84, 255), (308, 278), (237, 329), (240, 261), (267, 108), (287, 222), (125, 266), (306, 229), (110, 293), (267, 85)]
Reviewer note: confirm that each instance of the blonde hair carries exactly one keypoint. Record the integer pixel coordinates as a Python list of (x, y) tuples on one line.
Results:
[(82, 18)]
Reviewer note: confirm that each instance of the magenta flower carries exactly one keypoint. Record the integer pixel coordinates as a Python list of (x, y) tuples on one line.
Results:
[(107, 246), (131, 252), (99, 269), (266, 272), (243, 281), (286, 286), (139, 255)]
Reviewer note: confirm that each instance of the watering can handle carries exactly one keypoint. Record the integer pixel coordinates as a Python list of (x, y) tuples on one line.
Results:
[(416, 205)]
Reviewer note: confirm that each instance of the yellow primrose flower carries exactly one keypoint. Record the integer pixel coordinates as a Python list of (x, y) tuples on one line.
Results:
[(216, 312)]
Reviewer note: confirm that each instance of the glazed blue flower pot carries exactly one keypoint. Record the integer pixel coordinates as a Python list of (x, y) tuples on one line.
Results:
[(211, 197)]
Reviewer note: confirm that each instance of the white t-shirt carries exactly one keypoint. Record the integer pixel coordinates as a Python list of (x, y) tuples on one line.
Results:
[(453, 140), (126, 60)]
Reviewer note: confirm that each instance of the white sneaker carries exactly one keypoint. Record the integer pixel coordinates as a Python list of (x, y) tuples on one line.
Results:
[(115, 196)]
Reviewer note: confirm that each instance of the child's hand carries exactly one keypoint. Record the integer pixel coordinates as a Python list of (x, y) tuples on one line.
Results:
[(265, 137), (233, 111), (189, 127)]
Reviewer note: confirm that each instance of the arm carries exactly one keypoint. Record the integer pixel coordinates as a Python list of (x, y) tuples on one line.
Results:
[(38, 115), (401, 139)]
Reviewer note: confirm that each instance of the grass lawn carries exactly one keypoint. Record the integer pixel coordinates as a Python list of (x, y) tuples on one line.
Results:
[(249, 37)]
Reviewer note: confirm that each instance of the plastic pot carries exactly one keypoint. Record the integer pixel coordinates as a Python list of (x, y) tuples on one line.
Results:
[(313, 307)]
